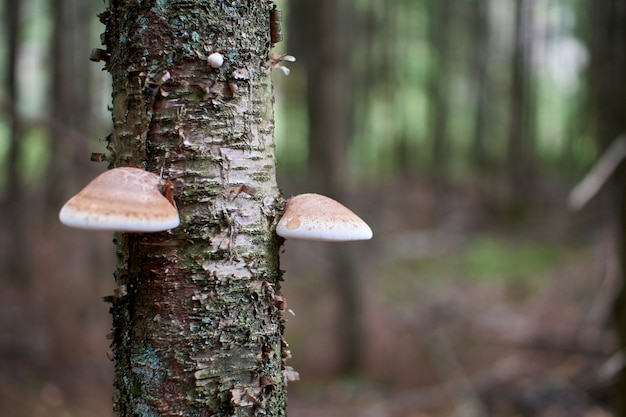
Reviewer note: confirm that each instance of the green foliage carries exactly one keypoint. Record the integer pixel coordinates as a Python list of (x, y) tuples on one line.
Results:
[(391, 59)]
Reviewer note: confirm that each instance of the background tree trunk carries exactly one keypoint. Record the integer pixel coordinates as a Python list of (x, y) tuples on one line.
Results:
[(521, 140), (607, 42), (71, 110), (324, 50), (326, 62), (440, 14), (197, 330), (479, 60), (13, 201)]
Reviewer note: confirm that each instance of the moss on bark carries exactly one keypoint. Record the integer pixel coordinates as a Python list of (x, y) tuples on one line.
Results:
[(196, 330)]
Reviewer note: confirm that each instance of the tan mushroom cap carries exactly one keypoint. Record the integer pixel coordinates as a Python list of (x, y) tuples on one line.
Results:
[(121, 199), (316, 217)]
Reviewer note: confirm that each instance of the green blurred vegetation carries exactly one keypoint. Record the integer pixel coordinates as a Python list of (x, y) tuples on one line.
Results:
[(390, 61), (414, 74), (490, 257), (484, 259)]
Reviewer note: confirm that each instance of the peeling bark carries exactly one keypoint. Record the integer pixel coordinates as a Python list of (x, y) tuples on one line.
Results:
[(196, 329)]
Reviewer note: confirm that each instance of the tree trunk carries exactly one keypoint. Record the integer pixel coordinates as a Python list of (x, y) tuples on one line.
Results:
[(70, 92), (521, 141), (607, 43), (326, 98), (479, 28), (197, 330), (324, 54), (13, 200), (439, 38)]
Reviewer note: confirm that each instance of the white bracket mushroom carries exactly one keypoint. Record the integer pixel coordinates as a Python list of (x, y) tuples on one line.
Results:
[(316, 217), (121, 199)]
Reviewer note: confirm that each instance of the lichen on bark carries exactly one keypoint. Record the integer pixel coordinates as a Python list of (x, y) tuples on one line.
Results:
[(197, 330)]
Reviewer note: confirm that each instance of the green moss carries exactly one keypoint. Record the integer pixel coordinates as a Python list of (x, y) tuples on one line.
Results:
[(261, 176)]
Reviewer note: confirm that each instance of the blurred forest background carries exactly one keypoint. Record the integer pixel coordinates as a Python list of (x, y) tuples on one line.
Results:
[(456, 128)]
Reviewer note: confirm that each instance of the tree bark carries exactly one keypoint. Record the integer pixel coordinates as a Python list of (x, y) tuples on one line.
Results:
[(197, 329)]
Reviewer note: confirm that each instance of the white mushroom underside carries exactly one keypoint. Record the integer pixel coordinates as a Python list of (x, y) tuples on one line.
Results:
[(122, 199), (116, 221), (317, 217), (330, 234)]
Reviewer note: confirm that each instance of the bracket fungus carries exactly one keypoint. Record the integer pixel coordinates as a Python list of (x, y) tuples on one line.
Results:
[(121, 199), (316, 217)]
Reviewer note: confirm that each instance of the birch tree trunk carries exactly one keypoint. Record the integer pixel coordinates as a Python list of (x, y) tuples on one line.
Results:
[(197, 329)]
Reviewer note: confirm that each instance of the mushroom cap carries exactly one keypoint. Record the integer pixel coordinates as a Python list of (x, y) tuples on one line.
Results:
[(216, 60), (316, 217), (121, 199)]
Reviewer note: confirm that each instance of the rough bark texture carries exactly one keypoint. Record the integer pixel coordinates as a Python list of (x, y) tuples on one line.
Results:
[(197, 326)]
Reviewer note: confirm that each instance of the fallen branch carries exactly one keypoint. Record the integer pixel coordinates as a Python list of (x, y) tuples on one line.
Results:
[(598, 175)]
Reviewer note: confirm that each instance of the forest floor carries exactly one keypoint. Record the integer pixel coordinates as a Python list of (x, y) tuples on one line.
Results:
[(472, 305), (468, 305)]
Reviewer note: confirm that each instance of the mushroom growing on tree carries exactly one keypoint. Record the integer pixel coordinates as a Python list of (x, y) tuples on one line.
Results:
[(122, 199), (317, 217), (216, 60)]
